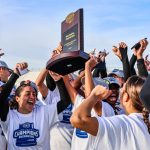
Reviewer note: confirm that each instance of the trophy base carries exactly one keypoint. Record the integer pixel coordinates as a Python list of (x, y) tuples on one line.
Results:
[(67, 62)]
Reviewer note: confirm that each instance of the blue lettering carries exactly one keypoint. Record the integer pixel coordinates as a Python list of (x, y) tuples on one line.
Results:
[(26, 135), (81, 134)]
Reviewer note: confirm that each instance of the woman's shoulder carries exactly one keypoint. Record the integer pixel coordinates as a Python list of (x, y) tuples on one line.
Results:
[(49, 107)]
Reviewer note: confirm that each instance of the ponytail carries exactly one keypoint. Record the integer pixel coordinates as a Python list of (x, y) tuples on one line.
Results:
[(145, 114)]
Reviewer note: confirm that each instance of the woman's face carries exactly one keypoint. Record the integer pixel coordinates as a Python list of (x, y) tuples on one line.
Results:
[(4, 74), (26, 100), (112, 99)]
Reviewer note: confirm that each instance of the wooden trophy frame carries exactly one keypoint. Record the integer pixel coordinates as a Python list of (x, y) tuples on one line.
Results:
[(72, 57)]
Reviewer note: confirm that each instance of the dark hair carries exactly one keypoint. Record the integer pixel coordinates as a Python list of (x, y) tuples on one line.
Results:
[(13, 104), (133, 87), (29, 83)]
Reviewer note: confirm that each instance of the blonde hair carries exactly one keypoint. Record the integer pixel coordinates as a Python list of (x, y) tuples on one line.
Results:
[(133, 87)]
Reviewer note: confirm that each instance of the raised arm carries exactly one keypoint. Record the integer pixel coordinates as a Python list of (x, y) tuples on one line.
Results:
[(71, 90), (42, 88), (147, 63), (65, 99), (50, 82), (4, 104), (132, 63), (100, 68), (89, 85), (81, 118), (76, 83), (140, 60), (121, 52)]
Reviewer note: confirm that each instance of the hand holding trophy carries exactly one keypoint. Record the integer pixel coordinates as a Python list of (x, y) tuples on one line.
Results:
[(72, 57)]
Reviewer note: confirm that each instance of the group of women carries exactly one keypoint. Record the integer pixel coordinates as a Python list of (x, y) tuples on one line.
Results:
[(30, 121)]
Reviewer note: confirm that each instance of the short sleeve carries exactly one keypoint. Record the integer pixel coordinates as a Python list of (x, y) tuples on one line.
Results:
[(78, 101), (51, 98), (52, 114), (111, 132), (107, 110)]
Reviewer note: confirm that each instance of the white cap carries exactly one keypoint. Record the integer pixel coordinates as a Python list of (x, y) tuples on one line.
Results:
[(111, 80), (3, 64), (117, 72), (97, 81)]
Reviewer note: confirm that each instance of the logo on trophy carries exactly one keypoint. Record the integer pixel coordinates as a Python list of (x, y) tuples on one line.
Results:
[(72, 56)]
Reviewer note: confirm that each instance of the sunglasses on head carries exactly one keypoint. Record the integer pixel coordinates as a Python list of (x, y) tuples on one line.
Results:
[(29, 83), (115, 70)]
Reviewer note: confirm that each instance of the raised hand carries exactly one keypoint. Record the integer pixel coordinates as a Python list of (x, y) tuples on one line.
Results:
[(116, 52), (101, 56), (147, 63), (139, 52), (57, 50), (123, 47), (55, 76), (92, 53), (146, 57), (92, 62), (100, 92), (20, 66), (121, 50)]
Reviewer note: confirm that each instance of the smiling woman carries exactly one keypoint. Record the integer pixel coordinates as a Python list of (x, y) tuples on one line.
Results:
[(26, 102), (24, 123), (26, 128)]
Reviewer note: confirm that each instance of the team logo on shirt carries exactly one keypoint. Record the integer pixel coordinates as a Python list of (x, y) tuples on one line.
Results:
[(80, 133), (26, 135), (67, 114)]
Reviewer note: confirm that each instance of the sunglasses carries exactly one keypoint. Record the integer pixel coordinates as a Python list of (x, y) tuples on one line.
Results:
[(28, 83), (115, 70)]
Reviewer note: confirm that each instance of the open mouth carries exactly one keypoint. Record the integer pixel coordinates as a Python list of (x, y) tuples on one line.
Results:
[(30, 102), (113, 97)]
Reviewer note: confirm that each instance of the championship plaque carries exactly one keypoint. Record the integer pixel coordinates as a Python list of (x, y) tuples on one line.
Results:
[(72, 57)]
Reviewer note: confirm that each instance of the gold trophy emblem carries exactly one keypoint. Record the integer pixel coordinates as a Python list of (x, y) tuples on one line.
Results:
[(70, 18)]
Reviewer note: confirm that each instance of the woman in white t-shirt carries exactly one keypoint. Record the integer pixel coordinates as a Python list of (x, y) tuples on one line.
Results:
[(117, 132), (61, 133), (26, 125), (80, 139)]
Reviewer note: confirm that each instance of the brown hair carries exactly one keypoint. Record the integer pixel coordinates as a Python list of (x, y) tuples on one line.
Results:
[(13, 104), (133, 87)]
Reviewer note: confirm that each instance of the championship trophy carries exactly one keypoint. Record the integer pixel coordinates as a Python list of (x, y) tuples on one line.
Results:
[(72, 56)]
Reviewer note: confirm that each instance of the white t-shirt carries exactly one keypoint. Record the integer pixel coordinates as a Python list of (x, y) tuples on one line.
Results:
[(3, 141), (121, 132), (61, 133), (80, 140), (30, 131), (119, 110), (52, 97)]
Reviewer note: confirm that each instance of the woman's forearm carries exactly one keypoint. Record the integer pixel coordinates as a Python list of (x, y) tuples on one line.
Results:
[(64, 96), (82, 119), (4, 106)]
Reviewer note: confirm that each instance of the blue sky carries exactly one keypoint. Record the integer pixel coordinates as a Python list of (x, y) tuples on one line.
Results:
[(30, 29)]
